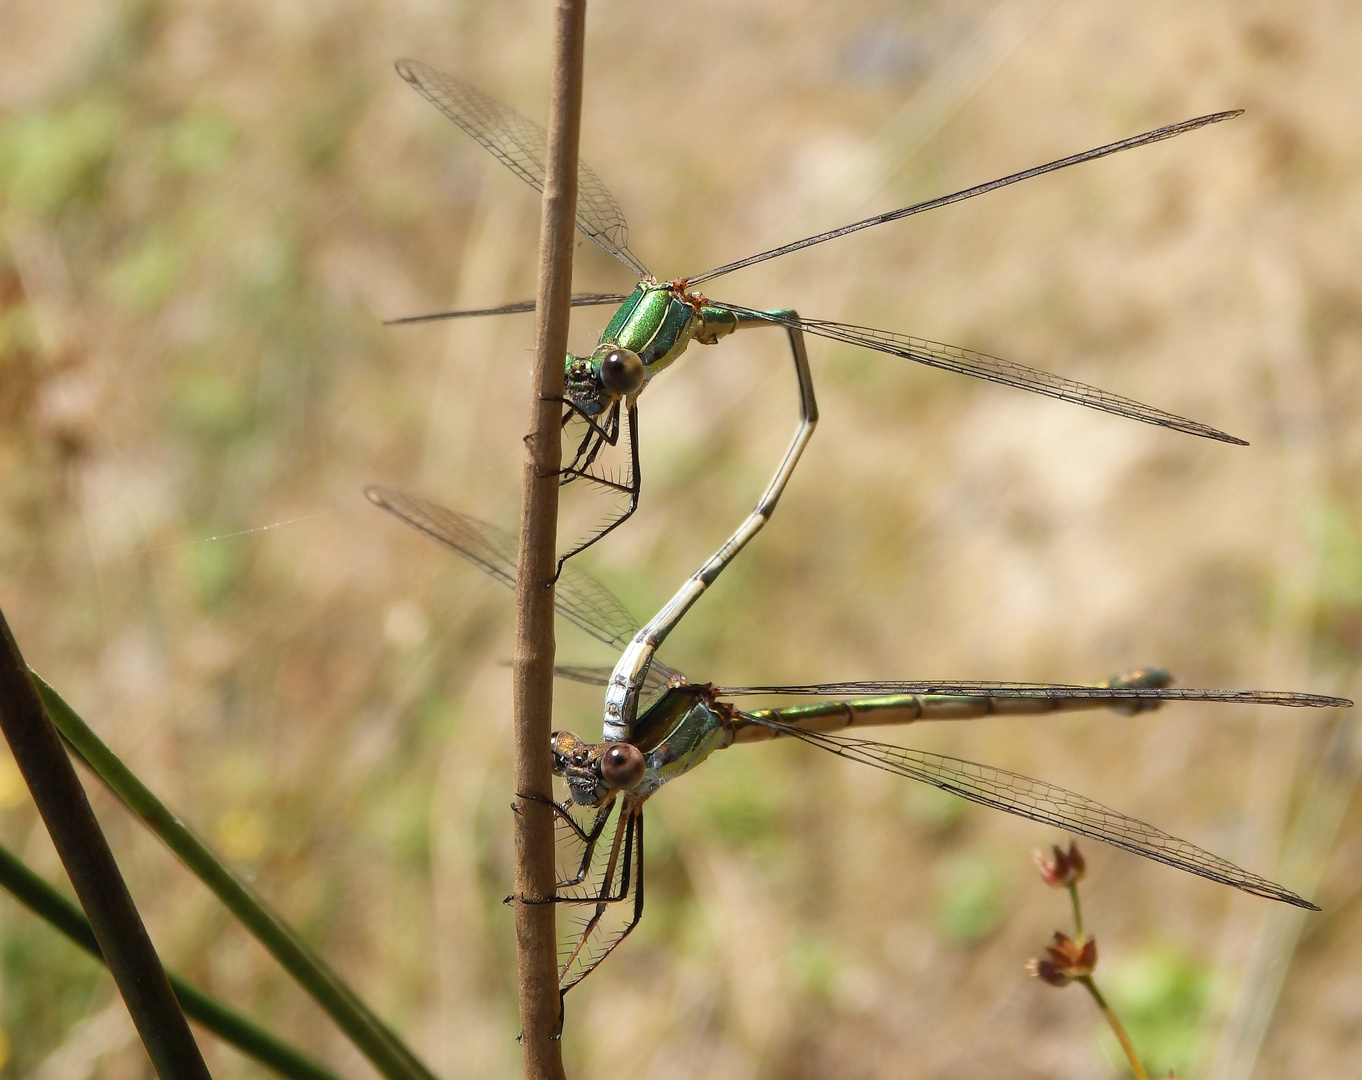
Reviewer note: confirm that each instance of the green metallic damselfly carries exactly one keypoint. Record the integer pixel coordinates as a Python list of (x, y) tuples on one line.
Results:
[(654, 323), (672, 725)]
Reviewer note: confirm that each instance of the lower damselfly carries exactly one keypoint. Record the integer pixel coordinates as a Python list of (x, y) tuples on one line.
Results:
[(671, 725), (655, 322)]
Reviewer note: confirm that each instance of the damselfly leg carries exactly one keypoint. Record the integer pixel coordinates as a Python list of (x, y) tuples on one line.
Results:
[(630, 485), (606, 901)]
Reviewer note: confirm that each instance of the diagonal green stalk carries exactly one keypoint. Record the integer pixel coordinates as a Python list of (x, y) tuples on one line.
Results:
[(115, 922), (1117, 1029), (369, 1034), (233, 1028)]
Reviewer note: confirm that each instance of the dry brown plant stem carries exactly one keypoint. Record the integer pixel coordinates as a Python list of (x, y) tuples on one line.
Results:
[(532, 663), (85, 854), (1116, 1028)]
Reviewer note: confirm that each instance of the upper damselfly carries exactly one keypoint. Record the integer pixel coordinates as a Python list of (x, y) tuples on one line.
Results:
[(655, 322)]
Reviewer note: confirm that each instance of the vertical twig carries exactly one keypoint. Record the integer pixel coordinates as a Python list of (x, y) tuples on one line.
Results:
[(89, 863), (536, 946)]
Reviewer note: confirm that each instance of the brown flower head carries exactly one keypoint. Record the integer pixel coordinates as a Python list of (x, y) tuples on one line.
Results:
[(1065, 960), (1065, 869)]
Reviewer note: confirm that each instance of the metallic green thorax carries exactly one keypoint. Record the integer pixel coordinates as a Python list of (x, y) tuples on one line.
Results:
[(680, 731), (657, 321)]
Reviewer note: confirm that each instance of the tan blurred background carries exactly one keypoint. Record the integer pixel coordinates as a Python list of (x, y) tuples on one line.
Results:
[(208, 207)]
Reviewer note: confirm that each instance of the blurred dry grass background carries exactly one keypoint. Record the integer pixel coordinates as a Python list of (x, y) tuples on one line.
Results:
[(207, 207)]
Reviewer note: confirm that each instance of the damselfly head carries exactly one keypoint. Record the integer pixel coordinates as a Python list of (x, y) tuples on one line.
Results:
[(572, 761), (596, 771), (1140, 679), (592, 383), (582, 385)]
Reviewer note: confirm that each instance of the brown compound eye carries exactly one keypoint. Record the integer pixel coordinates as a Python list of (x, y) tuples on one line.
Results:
[(622, 371), (622, 766)]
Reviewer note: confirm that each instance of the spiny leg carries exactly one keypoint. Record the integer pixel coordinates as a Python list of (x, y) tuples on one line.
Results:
[(632, 489), (631, 870), (606, 894), (607, 434), (588, 839), (591, 434), (611, 435)]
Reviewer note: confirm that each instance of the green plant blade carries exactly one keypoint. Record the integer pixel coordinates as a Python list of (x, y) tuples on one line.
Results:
[(231, 1027), (369, 1034)]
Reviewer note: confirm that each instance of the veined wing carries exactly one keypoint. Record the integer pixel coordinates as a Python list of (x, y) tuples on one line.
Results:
[(522, 146), (1050, 805), (580, 300), (1117, 691), (991, 369), (1157, 135), (658, 679), (579, 598)]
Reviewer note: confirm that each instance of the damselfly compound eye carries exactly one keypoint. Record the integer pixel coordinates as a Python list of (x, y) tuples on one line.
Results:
[(622, 766), (622, 371)]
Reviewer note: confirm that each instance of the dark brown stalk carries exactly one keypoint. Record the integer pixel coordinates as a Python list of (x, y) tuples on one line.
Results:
[(94, 875), (532, 663)]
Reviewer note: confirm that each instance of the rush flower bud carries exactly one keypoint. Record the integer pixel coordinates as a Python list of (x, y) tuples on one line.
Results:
[(1065, 960), (1065, 869)]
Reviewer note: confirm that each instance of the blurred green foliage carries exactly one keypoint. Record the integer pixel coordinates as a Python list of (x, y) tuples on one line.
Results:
[(813, 966), (932, 810), (200, 142), (48, 985), (1161, 995), (213, 406), (970, 896), (149, 274), (743, 804), (54, 159), (1338, 534)]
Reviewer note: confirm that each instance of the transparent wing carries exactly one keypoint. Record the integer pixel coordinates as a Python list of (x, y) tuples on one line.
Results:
[(991, 369), (1050, 805), (579, 598), (656, 682), (600, 884), (522, 146), (580, 300), (1115, 692), (1157, 135)]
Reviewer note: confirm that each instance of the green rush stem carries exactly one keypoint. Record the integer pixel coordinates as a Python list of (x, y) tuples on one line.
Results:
[(1117, 1029), (231, 1027), (1078, 911), (95, 878), (370, 1035)]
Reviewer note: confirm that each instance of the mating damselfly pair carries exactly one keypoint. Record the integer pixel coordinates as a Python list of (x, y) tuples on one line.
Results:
[(657, 725)]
